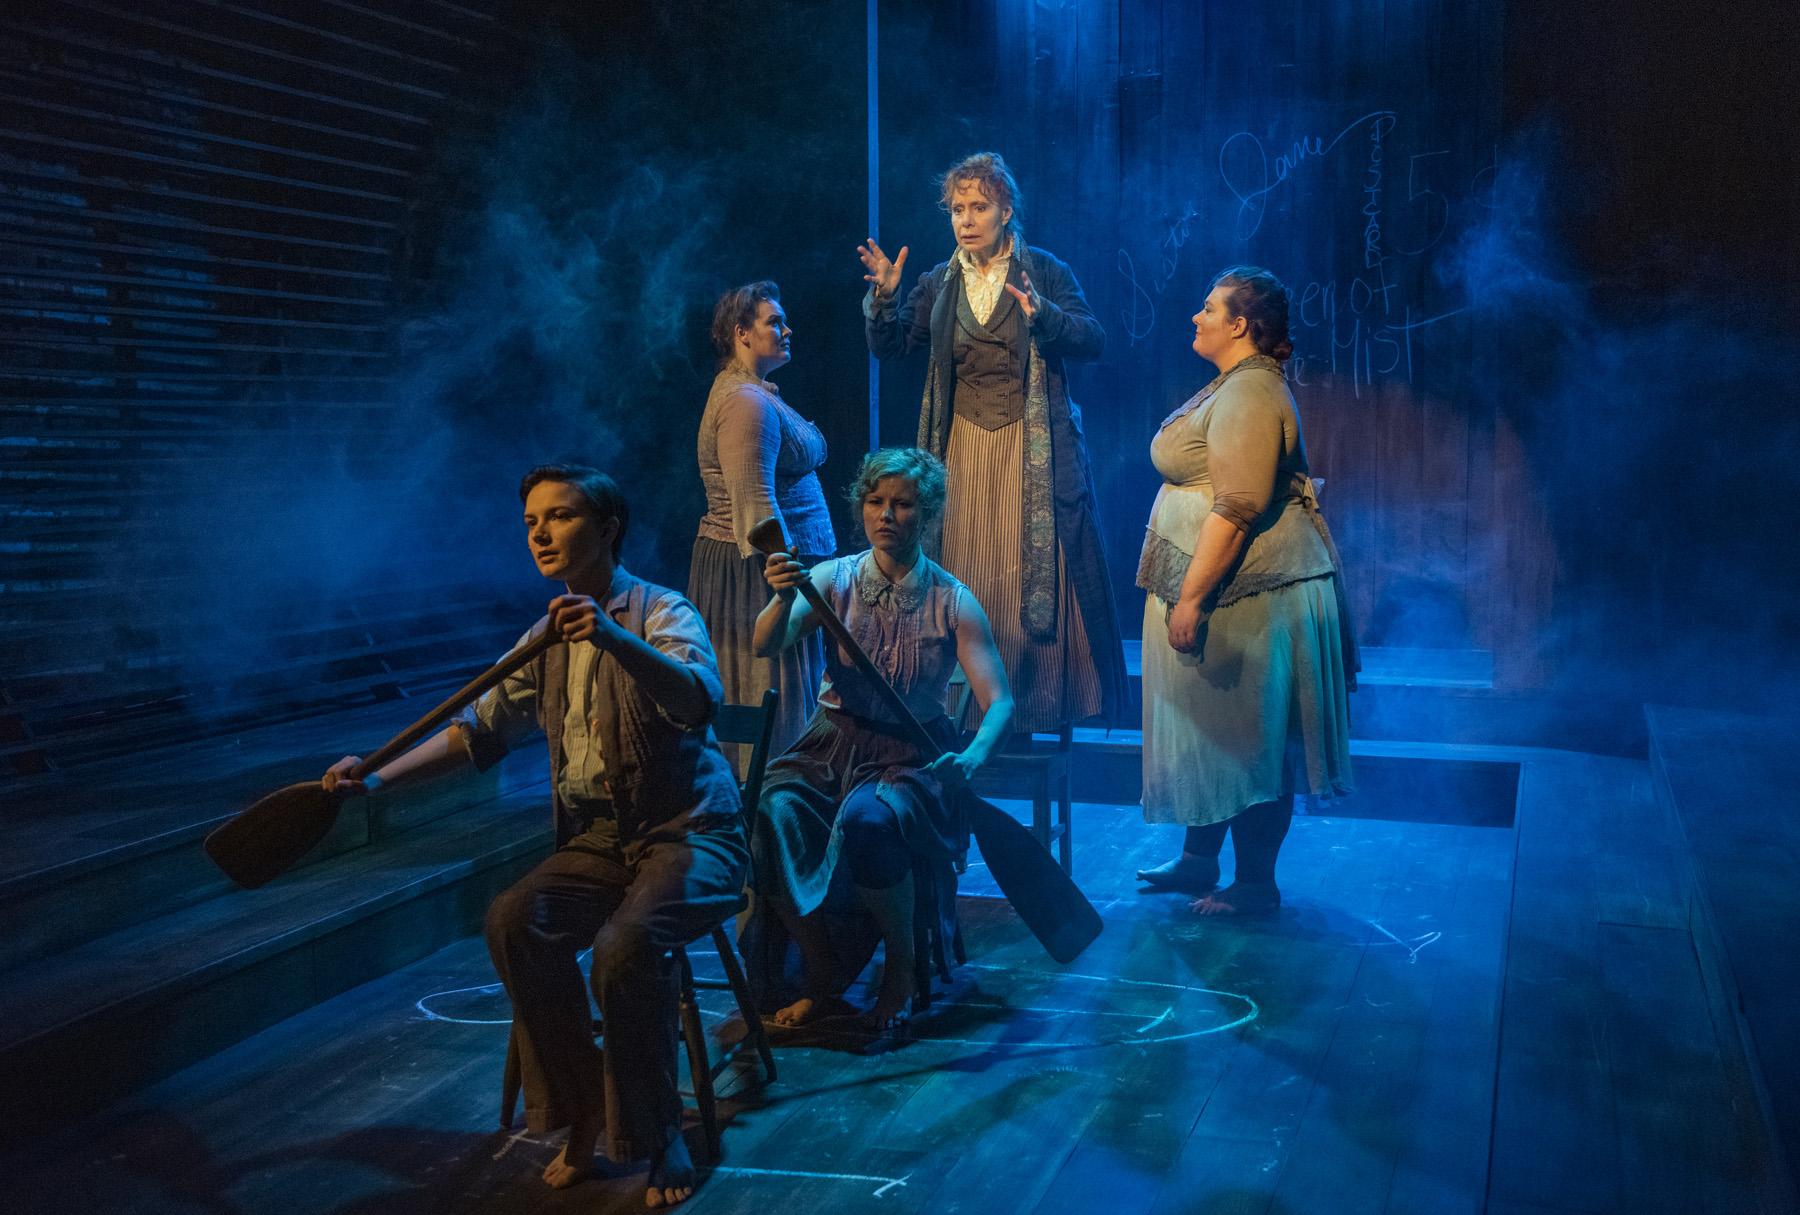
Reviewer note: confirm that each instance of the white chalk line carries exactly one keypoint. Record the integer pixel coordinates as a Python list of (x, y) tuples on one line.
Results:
[(488, 989), (1138, 1036), (1412, 949), (1253, 1010), (885, 1183), (512, 1141)]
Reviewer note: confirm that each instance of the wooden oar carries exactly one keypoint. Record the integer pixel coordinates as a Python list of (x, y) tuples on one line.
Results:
[(259, 844), (1052, 906)]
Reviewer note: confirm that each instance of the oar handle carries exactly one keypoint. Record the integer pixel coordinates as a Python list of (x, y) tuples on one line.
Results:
[(770, 536), (467, 695)]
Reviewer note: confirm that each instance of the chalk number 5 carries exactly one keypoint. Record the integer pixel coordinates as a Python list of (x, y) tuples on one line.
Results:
[(1434, 205)]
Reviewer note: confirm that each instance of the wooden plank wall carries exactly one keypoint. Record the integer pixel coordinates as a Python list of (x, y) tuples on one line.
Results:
[(1351, 148), (201, 210)]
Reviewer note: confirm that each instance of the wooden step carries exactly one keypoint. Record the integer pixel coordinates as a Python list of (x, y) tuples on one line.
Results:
[(1399, 666), (1721, 778), (89, 1024), (1426, 782), (1449, 696), (93, 855)]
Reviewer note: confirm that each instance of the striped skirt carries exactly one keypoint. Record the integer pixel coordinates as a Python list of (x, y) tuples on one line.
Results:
[(1055, 681), (729, 591)]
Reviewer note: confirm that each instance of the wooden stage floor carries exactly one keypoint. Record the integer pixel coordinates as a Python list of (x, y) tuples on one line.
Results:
[(1443, 1019)]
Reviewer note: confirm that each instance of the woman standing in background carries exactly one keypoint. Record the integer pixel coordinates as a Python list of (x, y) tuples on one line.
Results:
[(758, 458)]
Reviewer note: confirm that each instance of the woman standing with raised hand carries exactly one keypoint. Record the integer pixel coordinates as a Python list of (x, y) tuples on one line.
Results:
[(1020, 529), (1248, 659), (758, 458)]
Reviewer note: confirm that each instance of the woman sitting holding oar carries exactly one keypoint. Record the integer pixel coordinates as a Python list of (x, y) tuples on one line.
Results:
[(858, 804)]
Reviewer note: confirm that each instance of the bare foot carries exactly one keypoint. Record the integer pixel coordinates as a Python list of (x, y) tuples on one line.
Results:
[(1187, 873), (810, 1008), (894, 1002), (671, 1176), (1240, 899), (575, 1163)]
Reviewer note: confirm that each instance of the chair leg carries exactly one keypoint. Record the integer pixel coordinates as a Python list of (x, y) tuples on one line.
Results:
[(740, 988), (1040, 810), (699, 1064)]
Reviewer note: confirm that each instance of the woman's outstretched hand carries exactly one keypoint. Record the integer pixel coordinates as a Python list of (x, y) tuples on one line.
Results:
[(883, 273), (1028, 298)]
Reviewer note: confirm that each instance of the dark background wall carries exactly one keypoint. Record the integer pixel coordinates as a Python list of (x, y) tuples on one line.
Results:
[(1353, 149), (1545, 333), (290, 293), (293, 293)]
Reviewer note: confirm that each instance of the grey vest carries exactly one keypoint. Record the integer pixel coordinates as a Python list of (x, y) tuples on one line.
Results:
[(990, 363), (665, 781)]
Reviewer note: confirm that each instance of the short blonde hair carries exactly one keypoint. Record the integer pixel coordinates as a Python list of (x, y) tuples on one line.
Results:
[(919, 466)]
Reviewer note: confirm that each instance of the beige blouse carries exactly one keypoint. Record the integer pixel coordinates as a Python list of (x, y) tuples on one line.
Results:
[(983, 285), (1234, 449), (759, 457)]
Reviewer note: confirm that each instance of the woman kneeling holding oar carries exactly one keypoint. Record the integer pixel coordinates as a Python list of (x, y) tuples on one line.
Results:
[(850, 810)]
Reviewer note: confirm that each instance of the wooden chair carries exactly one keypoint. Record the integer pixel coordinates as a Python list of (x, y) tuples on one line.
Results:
[(1029, 767), (753, 724)]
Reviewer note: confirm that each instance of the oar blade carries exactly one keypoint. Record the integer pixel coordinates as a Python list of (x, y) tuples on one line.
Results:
[(263, 842), (1051, 904)]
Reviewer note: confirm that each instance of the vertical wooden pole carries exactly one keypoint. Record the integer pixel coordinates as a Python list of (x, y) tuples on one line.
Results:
[(873, 45)]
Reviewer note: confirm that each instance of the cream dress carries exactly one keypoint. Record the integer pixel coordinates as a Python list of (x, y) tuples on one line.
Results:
[(1263, 709)]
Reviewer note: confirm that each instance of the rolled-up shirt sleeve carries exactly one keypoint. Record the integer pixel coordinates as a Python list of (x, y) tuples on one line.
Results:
[(1243, 453), (504, 716), (675, 628), (749, 444)]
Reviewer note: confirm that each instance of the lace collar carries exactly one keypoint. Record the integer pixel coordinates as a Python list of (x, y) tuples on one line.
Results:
[(1199, 398), (1001, 260), (874, 589)]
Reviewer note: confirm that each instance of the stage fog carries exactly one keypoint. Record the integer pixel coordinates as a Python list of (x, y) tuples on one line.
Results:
[(294, 294)]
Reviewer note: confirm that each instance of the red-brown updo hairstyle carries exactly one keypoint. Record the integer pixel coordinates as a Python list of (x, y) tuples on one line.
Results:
[(1258, 297)]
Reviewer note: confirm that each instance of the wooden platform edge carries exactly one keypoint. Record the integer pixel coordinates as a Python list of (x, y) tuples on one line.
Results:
[(1773, 1182), (117, 1050)]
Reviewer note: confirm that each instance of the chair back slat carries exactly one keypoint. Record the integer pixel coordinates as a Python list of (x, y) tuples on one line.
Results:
[(755, 725)]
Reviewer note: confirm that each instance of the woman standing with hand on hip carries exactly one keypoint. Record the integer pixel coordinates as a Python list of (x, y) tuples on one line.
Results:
[(1000, 319), (1248, 660), (758, 457)]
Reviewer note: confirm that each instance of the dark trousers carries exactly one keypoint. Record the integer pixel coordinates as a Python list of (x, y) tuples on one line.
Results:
[(632, 914)]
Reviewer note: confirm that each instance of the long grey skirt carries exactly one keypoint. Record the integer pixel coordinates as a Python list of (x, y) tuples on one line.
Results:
[(729, 591), (1052, 681), (1262, 711)]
